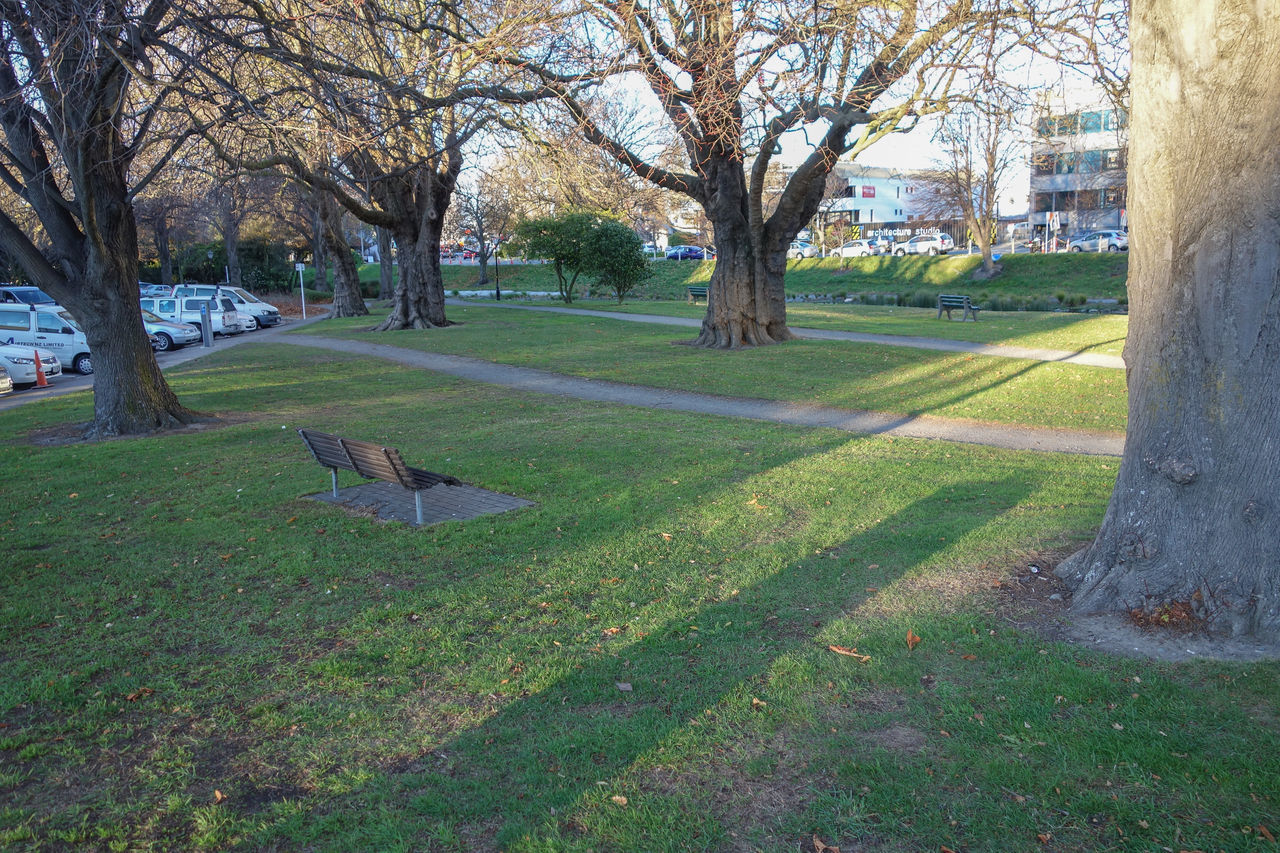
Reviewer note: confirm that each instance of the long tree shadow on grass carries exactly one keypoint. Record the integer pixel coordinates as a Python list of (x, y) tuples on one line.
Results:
[(516, 775)]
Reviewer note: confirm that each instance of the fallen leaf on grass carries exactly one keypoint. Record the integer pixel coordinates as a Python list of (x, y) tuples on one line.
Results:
[(912, 640), (619, 799), (756, 703), (1265, 833), (624, 686), (218, 797), (1044, 837), (968, 657), (820, 847), (139, 693), (666, 536)]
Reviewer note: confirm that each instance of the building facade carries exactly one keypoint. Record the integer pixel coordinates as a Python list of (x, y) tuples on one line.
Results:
[(1078, 164)]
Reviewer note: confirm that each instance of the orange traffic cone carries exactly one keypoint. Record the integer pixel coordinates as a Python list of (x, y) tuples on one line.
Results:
[(41, 382)]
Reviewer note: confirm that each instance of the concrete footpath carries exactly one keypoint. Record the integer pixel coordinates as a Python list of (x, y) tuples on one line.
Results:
[(937, 344), (544, 382), (797, 414)]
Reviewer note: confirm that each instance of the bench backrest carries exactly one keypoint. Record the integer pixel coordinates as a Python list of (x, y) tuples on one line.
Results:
[(365, 458), (953, 301)]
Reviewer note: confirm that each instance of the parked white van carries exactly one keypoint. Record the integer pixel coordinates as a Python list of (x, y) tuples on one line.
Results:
[(245, 302), (222, 314), (48, 327)]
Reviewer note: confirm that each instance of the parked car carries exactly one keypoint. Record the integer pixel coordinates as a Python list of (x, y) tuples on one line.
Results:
[(686, 253), (222, 314), (25, 294), (155, 289), (6, 381), (855, 249), (20, 363), (926, 244), (48, 327), (255, 313), (801, 249), (1099, 241), (168, 334)]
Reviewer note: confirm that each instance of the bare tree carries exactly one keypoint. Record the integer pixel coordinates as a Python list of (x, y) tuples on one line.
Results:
[(374, 104), (1190, 526), (732, 79), (484, 210), (73, 121), (981, 145)]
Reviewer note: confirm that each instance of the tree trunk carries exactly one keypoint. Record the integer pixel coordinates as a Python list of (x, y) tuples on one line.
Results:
[(130, 394), (231, 243), (163, 252), (230, 235), (317, 246), (347, 299), (418, 302), (385, 282), (1192, 520), (746, 299)]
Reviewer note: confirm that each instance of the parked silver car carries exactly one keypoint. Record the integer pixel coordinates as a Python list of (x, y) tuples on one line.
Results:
[(1100, 241), (926, 244), (801, 249), (856, 249), (168, 334)]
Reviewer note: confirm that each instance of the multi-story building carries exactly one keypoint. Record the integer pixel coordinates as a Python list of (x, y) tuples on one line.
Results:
[(1078, 164), (869, 195)]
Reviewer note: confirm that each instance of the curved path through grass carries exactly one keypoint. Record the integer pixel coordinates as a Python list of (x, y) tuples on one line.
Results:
[(919, 426), (916, 342)]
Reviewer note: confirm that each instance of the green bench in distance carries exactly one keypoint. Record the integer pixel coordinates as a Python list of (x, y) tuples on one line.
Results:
[(950, 302)]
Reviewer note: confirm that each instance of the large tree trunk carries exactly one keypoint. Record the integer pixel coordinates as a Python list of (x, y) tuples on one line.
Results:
[(1192, 521), (129, 393), (418, 302), (385, 282), (746, 300), (347, 299)]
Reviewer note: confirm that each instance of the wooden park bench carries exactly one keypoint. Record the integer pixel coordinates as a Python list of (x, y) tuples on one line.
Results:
[(948, 303), (696, 293), (371, 461)]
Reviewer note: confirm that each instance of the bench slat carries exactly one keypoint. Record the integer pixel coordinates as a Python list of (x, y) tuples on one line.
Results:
[(376, 462), (327, 449)]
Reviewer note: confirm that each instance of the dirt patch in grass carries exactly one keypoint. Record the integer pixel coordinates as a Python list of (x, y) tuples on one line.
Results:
[(62, 435), (1032, 597)]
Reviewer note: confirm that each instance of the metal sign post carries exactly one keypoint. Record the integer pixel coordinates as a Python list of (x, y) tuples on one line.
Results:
[(302, 287)]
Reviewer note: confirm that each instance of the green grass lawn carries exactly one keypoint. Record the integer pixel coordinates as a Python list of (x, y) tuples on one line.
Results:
[(197, 658), (883, 378)]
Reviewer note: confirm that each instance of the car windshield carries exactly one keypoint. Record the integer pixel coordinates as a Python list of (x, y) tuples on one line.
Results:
[(70, 321), (149, 317), (245, 295), (32, 296)]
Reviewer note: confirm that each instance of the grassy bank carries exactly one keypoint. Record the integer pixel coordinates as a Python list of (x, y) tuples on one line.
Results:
[(1039, 281)]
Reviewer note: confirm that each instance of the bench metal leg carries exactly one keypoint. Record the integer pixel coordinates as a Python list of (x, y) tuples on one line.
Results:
[(333, 473), (417, 500)]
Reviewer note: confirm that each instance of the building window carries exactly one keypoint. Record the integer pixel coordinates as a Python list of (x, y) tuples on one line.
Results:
[(1091, 122), (1115, 120)]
